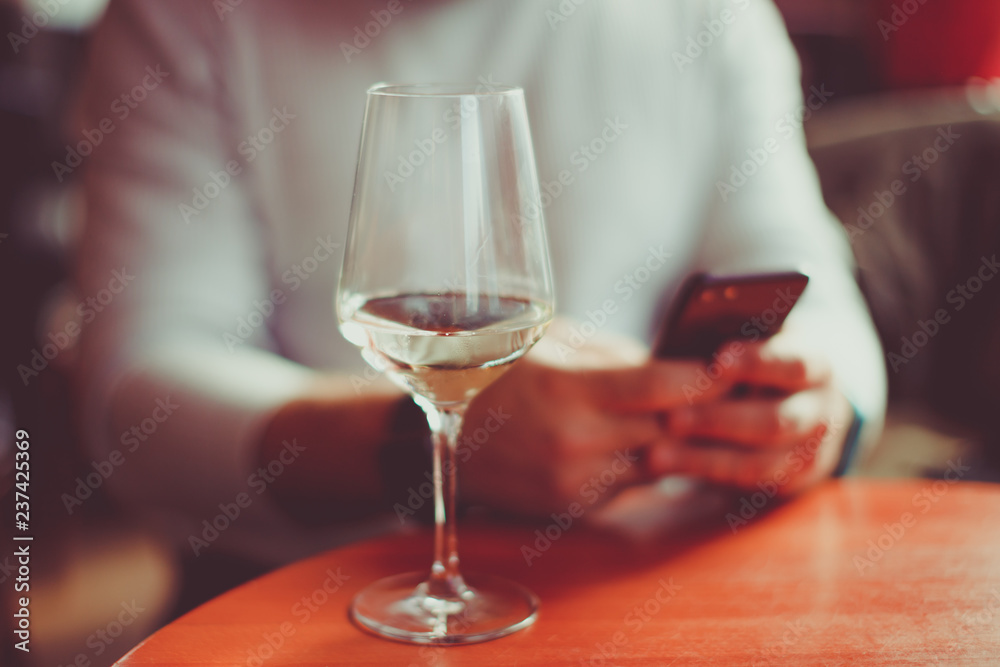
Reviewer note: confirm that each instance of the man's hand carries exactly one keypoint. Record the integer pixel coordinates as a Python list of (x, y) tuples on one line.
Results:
[(570, 424), (790, 429)]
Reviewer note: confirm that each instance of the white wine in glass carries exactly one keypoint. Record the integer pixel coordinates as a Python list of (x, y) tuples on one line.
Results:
[(446, 282)]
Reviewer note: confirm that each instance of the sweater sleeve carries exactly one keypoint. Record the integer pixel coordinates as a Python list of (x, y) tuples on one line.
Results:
[(767, 209), (175, 373)]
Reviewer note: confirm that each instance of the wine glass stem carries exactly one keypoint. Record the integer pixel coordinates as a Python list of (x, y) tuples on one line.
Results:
[(446, 580)]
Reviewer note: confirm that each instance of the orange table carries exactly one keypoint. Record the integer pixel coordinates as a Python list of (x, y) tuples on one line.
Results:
[(854, 573)]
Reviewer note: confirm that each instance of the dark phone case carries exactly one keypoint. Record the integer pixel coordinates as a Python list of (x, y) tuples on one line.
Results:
[(711, 310)]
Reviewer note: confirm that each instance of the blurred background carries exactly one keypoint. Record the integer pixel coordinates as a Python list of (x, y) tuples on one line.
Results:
[(896, 73)]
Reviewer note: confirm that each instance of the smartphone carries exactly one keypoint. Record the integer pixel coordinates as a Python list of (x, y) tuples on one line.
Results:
[(711, 310)]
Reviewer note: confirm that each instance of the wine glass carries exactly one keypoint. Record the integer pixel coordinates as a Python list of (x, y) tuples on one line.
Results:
[(446, 282)]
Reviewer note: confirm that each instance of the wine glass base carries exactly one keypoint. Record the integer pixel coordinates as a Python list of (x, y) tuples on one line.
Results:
[(396, 608)]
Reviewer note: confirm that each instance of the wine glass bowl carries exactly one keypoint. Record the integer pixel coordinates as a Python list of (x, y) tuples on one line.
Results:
[(446, 282), (446, 347)]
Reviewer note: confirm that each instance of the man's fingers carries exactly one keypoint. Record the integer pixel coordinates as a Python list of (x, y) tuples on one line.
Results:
[(797, 463), (762, 423), (716, 462), (745, 469), (780, 364), (657, 385)]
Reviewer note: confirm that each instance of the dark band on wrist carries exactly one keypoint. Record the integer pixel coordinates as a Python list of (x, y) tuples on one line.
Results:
[(404, 461), (850, 449)]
